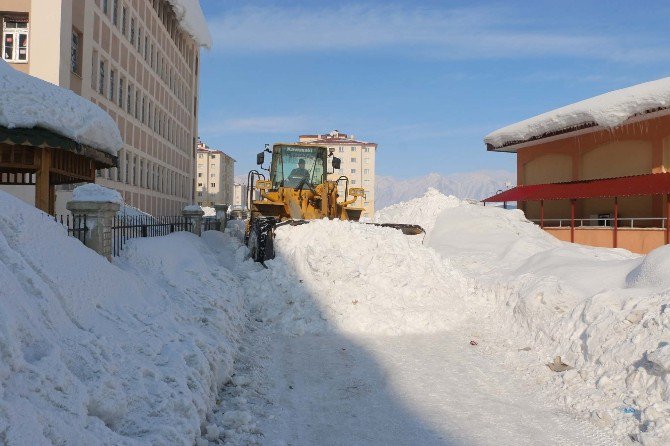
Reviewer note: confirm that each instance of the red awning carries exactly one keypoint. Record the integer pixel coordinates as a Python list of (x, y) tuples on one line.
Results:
[(650, 184)]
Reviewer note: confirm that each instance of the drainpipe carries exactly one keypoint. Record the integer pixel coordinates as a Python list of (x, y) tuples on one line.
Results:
[(572, 220), (616, 220)]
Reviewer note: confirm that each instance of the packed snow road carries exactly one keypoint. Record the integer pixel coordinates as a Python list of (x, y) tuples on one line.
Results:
[(361, 336)]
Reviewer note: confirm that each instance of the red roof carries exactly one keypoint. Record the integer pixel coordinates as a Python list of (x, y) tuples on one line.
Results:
[(650, 184)]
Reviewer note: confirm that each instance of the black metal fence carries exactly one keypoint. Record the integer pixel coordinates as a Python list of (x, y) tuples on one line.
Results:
[(211, 224), (126, 228), (76, 226)]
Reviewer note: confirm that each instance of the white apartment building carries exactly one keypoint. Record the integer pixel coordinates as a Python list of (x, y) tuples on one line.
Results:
[(358, 164), (240, 195), (134, 59), (215, 177)]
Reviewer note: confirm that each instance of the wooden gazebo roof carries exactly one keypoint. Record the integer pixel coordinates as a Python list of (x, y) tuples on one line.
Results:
[(43, 158)]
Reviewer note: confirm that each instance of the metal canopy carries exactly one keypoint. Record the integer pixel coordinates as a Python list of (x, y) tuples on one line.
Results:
[(638, 185)]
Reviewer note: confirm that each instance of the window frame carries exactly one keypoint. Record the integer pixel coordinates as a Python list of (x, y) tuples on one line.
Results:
[(16, 40)]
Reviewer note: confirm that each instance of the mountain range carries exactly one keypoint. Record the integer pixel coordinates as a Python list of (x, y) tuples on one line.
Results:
[(475, 185)]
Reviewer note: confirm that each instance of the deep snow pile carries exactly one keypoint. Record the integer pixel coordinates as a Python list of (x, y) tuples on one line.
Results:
[(98, 353), (355, 278), (604, 311), (28, 102), (607, 110), (420, 211), (95, 192)]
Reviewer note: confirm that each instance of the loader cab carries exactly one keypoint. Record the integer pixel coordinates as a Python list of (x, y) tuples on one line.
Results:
[(293, 164)]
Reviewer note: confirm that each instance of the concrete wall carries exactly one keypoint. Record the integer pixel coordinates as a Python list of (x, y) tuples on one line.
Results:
[(640, 241)]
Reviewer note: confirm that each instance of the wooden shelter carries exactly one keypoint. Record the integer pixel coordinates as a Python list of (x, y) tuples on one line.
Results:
[(44, 159)]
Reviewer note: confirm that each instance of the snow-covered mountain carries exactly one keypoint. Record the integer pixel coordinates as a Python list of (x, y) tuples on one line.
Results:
[(477, 185)]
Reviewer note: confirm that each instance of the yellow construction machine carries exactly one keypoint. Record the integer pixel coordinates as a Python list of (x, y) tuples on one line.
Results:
[(296, 191)]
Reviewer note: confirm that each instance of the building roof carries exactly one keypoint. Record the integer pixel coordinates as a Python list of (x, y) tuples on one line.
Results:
[(208, 150), (342, 142), (649, 184), (605, 111)]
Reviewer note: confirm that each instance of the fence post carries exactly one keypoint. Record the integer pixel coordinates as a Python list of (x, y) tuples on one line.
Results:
[(194, 214), (222, 215), (99, 217)]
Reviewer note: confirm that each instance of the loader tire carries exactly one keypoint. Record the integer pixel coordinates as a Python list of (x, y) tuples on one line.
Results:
[(261, 239)]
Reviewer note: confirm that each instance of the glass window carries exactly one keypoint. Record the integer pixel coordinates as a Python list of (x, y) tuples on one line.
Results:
[(353, 148), (115, 12), (341, 149), (121, 91), (213, 184), (367, 149), (199, 184), (129, 99), (112, 85), (74, 51), (353, 170), (293, 165), (124, 19), (15, 40), (367, 160), (366, 170), (105, 6), (101, 78), (132, 31), (200, 175), (353, 160)]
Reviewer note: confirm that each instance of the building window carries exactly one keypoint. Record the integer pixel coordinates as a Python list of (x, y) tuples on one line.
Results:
[(129, 99), (101, 78), (139, 39), (199, 194), (200, 175), (367, 160), (132, 31), (353, 160), (15, 39), (212, 175), (353, 181), (366, 170), (213, 184), (353, 149), (115, 12), (124, 19), (75, 52), (105, 6), (121, 91), (112, 84), (353, 170), (213, 165), (143, 103), (200, 155)]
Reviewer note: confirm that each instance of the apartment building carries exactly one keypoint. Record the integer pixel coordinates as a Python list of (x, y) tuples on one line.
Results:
[(358, 163), (138, 61), (215, 179)]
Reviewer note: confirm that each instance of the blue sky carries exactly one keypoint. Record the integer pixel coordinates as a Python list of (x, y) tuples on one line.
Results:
[(425, 80)]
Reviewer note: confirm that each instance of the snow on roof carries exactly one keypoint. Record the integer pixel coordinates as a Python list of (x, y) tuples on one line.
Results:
[(28, 102), (192, 20), (606, 110)]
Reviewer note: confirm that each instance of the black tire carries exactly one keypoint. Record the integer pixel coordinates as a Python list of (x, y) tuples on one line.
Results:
[(261, 239)]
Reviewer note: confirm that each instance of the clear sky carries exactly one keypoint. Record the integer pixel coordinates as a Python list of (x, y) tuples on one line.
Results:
[(426, 80)]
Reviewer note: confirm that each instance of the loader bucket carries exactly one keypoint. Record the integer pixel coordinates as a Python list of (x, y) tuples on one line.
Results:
[(406, 229)]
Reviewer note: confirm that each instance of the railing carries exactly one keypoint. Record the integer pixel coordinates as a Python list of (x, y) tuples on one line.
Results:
[(126, 228), (211, 224), (628, 222), (76, 227)]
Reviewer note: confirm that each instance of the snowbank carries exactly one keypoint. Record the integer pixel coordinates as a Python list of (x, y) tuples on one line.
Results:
[(604, 311), (95, 192), (420, 211), (355, 278), (607, 110), (192, 20), (98, 353), (28, 102)]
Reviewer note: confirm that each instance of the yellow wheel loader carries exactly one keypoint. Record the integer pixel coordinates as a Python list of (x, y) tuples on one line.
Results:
[(298, 190)]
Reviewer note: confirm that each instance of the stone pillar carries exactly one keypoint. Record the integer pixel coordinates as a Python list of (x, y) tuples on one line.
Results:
[(194, 214), (222, 214), (99, 220)]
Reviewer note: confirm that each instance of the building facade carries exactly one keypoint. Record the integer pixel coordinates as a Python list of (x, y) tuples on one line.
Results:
[(358, 164), (133, 59), (591, 183), (215, 177)]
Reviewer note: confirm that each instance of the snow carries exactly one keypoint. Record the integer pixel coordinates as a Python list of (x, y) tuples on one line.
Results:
[(96, 353), (354, 334), (607, 110), (192, 20), (95, 192), (209, 211), (420, 211), (193, 208), (28, 102)]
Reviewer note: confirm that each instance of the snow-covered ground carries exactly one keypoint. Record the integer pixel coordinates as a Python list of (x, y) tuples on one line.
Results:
[(354, 334)]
